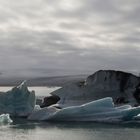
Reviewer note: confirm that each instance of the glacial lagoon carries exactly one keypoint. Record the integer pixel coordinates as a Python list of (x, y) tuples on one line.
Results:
[(22, 129)]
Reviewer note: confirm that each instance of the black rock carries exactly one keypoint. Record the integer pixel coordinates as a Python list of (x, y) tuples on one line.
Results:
[(50, 100)]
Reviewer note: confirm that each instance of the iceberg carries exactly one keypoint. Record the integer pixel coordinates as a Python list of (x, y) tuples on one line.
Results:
[(101, 110), (19, 101), (121, 86), (5, 119)]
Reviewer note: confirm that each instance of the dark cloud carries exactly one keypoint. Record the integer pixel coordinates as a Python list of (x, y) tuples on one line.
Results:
[(51, 37)]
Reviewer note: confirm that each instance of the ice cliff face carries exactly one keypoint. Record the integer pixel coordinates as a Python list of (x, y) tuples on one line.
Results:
[(18, 101), (110, 79), (121, 86)]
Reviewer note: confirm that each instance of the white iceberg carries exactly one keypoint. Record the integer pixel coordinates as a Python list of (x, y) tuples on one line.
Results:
[(5, 119), (102, 110), (18, 101)]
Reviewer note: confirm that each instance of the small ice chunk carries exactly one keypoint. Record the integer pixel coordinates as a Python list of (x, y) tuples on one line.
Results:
[(37, 107), (136, 117), (5, 119)]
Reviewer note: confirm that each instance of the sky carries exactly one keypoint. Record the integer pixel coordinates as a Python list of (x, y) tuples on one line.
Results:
[(68, 37)]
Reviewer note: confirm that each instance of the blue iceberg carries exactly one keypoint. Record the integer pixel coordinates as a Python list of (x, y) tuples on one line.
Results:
[(101, 110), (17, 102), (5, 119)]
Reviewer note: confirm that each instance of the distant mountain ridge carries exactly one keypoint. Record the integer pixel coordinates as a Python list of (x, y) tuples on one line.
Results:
[(43, 81)]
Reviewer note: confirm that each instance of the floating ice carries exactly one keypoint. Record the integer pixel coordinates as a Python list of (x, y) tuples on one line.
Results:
[(102, 110), (121, 86), (18, 101), (21, 102), (42, 113), (5, 119)]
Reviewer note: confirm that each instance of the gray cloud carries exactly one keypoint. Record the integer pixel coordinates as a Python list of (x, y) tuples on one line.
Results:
[(51, 37)]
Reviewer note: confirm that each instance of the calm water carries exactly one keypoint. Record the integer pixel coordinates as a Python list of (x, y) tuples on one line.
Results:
[(21, 129)]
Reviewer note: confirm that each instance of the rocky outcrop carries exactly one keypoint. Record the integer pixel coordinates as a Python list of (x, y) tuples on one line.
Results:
[(121, 86), (137, 94), (50, 100)]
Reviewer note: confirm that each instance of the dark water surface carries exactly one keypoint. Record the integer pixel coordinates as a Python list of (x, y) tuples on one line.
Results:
[(21, 129)]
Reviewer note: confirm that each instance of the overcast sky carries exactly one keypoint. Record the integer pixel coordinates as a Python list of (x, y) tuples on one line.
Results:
[(56, 37)]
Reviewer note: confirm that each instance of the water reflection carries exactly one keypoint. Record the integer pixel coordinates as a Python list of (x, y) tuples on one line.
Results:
[(23, 122), (21, 129)]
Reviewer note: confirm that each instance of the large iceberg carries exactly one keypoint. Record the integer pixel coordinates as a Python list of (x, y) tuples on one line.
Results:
[(102, 110), (17, 102), (121, 86)]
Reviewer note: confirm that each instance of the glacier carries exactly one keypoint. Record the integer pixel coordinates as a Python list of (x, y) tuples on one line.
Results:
[(18, 101), (102, 110)]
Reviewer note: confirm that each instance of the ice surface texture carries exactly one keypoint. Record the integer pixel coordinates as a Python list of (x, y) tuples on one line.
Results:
[(5, 119), (101, 110), (103, 83), (18, 101)]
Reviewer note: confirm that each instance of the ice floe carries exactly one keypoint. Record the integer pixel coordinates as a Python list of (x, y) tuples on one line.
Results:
[(101, 110)]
